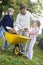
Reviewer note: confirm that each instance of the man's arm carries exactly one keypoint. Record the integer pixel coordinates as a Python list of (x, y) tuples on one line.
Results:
[(32, 19), (18, 21)]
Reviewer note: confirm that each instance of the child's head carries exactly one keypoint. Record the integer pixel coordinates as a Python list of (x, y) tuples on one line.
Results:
[(11, 11), (37, 23)]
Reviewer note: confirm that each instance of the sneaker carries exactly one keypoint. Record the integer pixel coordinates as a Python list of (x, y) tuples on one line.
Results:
[(28, 57)]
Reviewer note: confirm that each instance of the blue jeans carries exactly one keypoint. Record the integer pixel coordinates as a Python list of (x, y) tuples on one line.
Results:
[(2, 31)]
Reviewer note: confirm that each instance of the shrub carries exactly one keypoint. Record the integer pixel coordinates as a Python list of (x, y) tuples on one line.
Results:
[(40, 42)]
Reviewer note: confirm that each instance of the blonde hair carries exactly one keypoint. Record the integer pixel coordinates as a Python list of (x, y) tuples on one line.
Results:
[(10, 9)]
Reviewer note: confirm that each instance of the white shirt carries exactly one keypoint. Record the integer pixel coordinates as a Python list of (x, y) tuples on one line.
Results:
[(23, 21)]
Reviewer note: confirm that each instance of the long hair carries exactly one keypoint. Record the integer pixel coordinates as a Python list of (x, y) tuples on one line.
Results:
[(38, 23)]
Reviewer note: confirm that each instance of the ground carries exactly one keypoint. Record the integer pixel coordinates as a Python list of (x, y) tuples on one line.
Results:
[(8, 58)]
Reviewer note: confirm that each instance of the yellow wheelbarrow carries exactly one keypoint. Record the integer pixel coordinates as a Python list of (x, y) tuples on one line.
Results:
[(14, 39)]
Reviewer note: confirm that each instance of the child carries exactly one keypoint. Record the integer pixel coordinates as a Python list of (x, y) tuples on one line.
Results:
[(7, 20), (33, 34)]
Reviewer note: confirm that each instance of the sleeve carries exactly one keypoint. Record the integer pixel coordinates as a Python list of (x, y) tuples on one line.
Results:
[(13, 22), (18, 21), (32, 18), (36, 30), (2, 21)]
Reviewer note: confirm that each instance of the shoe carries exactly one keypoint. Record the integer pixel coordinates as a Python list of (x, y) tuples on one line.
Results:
[(29, 57)]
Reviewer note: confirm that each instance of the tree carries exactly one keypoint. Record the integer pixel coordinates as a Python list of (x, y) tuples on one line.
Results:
[(32, 7)]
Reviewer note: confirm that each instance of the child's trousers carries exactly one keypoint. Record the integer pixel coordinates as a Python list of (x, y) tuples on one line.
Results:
[(29, 53)]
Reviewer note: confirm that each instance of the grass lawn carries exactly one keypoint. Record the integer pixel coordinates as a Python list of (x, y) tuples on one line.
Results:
[(8, 58)]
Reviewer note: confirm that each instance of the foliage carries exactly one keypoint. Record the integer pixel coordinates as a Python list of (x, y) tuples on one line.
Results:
[(40, 41), (32, 7), (8, 58)]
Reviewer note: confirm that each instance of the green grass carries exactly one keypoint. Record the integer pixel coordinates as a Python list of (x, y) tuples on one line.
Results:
[(8, 58)]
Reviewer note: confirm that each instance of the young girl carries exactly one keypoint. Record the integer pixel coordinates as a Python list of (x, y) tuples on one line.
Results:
[(33, 34)]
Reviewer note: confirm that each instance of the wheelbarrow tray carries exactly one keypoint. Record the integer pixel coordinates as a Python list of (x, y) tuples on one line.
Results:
[(14, 38)]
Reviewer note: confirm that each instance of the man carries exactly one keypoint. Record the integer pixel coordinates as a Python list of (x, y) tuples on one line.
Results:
[(23, 23), (7, 20)]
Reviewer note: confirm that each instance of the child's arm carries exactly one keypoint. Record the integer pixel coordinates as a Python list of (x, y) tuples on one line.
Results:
[(32, 33)]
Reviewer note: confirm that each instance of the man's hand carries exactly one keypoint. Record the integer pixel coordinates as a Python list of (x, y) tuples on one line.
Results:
[(26, 29)]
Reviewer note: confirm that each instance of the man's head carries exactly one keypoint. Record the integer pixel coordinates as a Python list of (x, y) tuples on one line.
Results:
[(23, 9), (11, 11)]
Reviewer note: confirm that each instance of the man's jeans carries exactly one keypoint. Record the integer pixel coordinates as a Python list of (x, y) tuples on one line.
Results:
[(23, 46)]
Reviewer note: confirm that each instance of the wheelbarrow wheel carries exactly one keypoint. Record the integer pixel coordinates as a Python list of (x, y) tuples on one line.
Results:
[(16, 50)]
